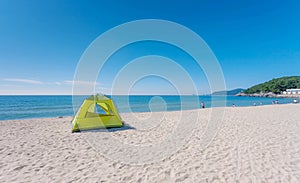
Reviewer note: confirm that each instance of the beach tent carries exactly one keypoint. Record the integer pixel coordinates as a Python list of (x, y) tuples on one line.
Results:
[(96, 112)]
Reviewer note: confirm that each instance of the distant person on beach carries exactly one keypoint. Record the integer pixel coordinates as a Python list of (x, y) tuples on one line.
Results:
[(276, 102), (233, 105), (202, 105), (254, 104)]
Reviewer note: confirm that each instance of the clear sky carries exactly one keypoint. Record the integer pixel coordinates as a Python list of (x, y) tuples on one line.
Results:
[(41, 42)]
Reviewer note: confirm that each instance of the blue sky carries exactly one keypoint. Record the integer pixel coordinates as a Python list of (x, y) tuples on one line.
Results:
[(42, 41)]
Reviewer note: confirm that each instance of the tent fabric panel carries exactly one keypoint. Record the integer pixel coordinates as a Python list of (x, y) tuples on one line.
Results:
[(97, 123), (104, 106), (114, 109)]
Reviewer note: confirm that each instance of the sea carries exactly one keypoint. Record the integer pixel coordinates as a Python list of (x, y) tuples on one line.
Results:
[(22, 107)]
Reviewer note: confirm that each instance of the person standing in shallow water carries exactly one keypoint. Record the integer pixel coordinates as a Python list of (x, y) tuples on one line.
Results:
[(202, 105)]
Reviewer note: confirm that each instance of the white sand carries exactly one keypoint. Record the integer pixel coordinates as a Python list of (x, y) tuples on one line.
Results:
[(254, 144)]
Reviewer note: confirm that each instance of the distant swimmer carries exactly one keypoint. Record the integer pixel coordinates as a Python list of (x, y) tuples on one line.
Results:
[(202, 105)]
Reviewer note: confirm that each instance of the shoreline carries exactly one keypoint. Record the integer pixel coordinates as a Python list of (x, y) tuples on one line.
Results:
[(61, 117), (268, 95)]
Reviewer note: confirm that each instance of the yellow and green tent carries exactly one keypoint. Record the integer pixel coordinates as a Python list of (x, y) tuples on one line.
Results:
[(96, 112)]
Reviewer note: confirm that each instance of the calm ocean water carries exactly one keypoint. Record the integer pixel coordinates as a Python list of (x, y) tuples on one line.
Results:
[(20, 107)]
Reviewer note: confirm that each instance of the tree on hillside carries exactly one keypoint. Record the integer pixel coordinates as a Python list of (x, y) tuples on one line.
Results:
[(275, 85)]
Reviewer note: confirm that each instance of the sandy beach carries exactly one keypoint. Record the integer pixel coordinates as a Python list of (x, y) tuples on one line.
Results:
[(253, 144)]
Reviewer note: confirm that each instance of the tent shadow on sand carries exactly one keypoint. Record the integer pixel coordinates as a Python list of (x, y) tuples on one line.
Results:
[(124, 128)]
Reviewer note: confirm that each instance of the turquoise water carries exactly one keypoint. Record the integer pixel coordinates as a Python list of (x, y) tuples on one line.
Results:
[(20, 107)]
